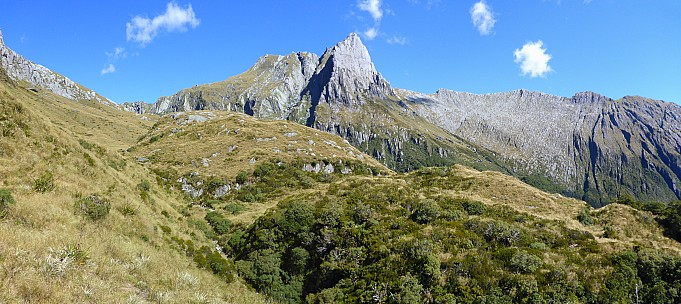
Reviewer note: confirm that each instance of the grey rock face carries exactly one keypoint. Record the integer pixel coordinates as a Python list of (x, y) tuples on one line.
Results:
[(269, 89), (222, 191), (137, 107), (596, 147), (19, 68), (346, 74)]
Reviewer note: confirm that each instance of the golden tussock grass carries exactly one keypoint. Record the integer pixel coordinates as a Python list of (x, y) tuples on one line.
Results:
[(49, 253)]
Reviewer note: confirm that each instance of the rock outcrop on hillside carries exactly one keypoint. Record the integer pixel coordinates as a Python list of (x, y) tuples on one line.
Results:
[(137, 107), (19, 68)]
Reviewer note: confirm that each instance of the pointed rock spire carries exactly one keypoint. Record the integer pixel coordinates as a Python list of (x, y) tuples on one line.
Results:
[(347, 75)]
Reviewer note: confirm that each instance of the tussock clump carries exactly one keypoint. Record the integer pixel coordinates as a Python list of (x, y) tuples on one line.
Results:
[(45, 183), (6, 200), (94, 207)]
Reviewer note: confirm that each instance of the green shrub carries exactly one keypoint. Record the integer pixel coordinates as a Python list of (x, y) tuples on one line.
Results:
[(538, 246), (204, 227), (219, 223), (585, 218), (242, 177), (610, 232), (426, 211), (93, 207), (474, 208), (235, 208), (45, 183), (144, 186), (524, 262), (6, 199)]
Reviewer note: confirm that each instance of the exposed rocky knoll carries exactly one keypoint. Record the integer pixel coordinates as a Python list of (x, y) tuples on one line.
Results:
[(19, 68), (588, 146)]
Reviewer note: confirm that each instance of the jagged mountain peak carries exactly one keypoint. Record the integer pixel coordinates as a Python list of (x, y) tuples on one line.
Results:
[(351, 55), (346, 75), (2, 42)]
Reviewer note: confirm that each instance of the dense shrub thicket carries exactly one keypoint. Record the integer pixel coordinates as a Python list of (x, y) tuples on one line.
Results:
[(374, 241)]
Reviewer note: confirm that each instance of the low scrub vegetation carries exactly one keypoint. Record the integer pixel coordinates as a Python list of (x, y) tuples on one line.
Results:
[(380, 240)]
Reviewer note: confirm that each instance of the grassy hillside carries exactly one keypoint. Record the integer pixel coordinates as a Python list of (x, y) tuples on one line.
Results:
[(231, 160), (81, 223)]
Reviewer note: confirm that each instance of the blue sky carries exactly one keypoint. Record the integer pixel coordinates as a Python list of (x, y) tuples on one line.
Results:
[(141, 50)]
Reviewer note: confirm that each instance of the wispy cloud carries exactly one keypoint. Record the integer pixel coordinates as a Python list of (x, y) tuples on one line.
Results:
[(373, 7), (371, 33), (397, 40), (429, 3), (533, 59), (117, 53), (175, 19), (482, 17), (108, 69)]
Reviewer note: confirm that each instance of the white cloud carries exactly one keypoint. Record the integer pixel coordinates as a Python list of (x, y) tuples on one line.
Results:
[(533, 59), (482, 17), (373, 7), (397, 40), (108, 70), (175, 19), (371, 33), (117, 53)]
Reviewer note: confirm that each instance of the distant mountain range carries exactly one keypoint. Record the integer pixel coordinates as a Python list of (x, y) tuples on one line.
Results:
[(587, 146)]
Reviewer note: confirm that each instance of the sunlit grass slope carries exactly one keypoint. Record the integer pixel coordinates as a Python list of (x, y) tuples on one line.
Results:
[(81, 223)]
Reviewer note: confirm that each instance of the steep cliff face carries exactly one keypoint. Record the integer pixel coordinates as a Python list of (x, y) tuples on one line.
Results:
[(592, 146), (19, 68)]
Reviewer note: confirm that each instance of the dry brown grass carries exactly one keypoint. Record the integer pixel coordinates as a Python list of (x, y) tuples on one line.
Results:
[(231, 142), (129, 258), (632, 227)]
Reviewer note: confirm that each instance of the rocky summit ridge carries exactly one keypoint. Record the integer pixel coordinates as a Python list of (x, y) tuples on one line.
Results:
[(19, 68), (291, 86)]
